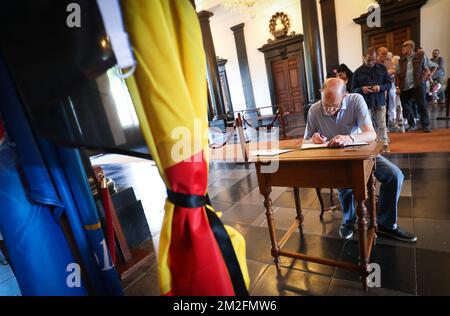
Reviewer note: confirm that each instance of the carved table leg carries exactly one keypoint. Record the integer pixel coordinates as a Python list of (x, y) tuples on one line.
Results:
[(373, 203), (298, 208), (271, 223), (361, 211)]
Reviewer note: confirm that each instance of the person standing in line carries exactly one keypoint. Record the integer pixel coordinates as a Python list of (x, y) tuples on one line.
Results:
[(439, 74), (412, 72), (371, 80), (344, 73), (384, 57)]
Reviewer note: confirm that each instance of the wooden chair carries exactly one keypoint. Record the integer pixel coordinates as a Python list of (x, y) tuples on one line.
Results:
[(298, 206), (332, 207)]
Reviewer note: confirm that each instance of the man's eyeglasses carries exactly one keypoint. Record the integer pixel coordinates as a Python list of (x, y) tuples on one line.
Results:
[(331, 109)]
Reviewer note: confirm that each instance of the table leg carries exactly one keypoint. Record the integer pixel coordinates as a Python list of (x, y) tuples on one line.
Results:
[(322, 206), (361, 211), (271, 223), (373, 203), (298, 209)]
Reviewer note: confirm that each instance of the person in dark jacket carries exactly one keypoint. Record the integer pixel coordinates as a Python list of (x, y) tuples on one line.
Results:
[(371, 80), (413, 70)]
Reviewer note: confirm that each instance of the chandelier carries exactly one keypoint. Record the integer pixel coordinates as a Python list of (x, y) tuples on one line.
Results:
[(243, 5)]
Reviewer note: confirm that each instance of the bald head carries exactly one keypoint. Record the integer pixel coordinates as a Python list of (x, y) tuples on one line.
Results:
[(333, 91), (333, 87)]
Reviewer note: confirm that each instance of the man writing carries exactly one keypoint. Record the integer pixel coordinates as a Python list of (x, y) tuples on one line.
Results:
[(344, 119)]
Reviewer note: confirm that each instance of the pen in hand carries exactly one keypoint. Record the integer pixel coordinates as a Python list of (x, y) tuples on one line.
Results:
[(318, 138)]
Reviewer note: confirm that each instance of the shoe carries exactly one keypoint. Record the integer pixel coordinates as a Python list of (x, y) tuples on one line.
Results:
[(427, 129), (394, 128), (397, 234), (411, 128), (346, 231)]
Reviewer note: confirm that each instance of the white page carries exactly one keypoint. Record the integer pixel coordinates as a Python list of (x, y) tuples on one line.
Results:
[(269, 152), (309, 145)]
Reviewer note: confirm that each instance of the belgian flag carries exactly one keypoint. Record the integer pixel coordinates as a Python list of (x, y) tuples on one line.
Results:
[(197, 254)]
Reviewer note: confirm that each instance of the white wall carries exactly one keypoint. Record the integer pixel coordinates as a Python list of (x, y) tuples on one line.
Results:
[(435, 29), (257, 33), (348, 32)]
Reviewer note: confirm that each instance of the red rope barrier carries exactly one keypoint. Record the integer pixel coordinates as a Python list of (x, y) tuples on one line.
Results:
[(274, 119), (246, 122), (266, 126), (226, 141), (106, 199)]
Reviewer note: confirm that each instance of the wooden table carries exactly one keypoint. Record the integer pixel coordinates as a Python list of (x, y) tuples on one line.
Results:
[(351, 167)]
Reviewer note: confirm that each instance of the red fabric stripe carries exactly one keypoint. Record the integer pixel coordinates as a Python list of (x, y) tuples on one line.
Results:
[(109, 224), (2, 131), (195, 260)]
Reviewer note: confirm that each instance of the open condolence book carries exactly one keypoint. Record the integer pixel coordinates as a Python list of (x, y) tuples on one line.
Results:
[(310, 145)]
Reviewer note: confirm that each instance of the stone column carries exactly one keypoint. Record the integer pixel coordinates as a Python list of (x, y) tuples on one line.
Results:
[(211, 66), (241, 49), (313, 50), (329, 27)]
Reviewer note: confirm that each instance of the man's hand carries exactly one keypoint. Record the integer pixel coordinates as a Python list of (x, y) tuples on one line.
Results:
[(376, 89), (367, 90), (339, 141), (318, 139)]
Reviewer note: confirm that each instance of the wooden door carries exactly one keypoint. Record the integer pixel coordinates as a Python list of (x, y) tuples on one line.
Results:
[(280, 82), (393, 40), (294, 84), (286, 79), (400, 36)]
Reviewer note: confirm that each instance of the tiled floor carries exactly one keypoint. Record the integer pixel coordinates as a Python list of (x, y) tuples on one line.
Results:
[(407, 269)]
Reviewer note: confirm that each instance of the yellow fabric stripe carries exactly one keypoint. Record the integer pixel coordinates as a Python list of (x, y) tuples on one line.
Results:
[(93, 226), (170, 75), (238, 242), (164, 275)]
